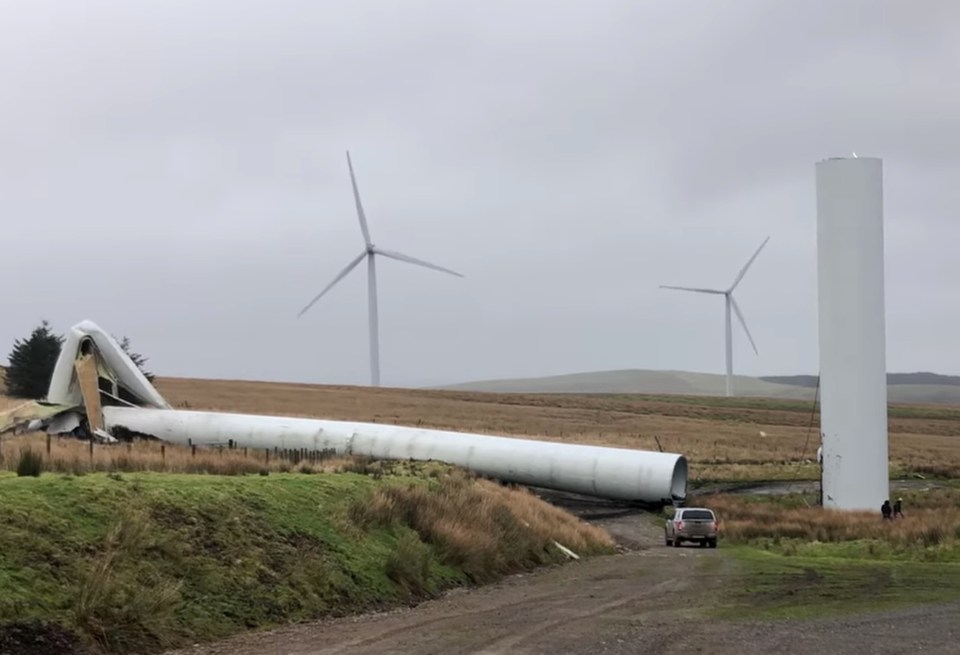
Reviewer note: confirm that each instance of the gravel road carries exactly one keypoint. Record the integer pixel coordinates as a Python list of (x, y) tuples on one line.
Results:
[(644, 600)]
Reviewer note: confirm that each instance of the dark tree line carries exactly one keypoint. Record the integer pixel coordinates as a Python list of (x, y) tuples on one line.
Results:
[(32, 360)]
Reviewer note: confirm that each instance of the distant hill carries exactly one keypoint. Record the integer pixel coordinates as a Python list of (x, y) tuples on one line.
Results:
[(923, 378), (918, 388), (638, 381)]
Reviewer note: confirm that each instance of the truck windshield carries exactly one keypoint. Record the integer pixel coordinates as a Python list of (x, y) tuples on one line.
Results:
[(689, 514)]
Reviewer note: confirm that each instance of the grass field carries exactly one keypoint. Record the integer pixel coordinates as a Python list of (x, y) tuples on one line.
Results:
[(799, 560), (724, 438), (721, 436)]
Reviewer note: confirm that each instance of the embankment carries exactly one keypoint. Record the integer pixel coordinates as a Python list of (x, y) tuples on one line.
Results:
[(136, 562)]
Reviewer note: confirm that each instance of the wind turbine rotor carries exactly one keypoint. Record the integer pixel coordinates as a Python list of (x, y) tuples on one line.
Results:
[(370, 252), (694, 289), (342, 274), (356, 196), (399, 256), (743, 271), (743, 322)]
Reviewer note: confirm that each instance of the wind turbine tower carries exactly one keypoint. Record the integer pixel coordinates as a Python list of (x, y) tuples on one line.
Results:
[(369, 253), (730, 303), (852, 331)]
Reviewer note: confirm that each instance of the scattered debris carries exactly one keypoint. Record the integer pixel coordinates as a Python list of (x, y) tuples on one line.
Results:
[(566, 551)]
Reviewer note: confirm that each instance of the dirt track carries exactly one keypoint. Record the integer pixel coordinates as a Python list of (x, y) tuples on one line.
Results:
[(644, 600)]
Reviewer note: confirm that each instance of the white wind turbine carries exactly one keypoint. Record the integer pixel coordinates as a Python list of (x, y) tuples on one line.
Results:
[(370, 251), (729, 302)]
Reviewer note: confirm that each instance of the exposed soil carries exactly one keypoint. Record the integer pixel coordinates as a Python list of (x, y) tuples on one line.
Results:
[(35, 638), (644, 600)]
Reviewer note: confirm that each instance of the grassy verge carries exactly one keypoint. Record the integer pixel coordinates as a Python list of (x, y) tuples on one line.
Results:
[(777, 586), (798, 560), (136, 562)]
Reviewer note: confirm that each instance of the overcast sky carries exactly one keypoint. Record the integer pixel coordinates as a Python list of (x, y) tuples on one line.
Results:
[(175, 171)]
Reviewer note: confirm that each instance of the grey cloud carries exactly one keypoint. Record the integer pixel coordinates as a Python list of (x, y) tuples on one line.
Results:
[(176, 172)]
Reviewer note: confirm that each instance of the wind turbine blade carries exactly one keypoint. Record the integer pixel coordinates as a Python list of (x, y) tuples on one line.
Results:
[(356, 197), (412, 260), (694, 289), (352, 265), (743, 271), (736, 309)]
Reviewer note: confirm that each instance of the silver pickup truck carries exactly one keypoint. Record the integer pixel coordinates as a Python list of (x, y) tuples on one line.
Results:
[(692, 524)]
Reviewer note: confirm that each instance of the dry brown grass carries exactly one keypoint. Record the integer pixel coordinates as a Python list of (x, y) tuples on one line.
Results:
[(484, 528), (721, 437), (68, 455), (931, 519)]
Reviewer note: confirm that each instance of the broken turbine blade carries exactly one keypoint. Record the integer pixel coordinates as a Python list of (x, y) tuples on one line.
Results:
[(339, 277), (413, 260)]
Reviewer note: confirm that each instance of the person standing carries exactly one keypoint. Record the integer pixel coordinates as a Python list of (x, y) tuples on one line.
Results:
[(886, 510), (898, 508)]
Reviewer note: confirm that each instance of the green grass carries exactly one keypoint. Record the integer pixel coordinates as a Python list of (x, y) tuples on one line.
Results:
[(797, 560), (775, 586), (139, 562)]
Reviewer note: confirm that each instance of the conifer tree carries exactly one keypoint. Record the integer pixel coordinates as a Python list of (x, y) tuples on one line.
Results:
[(31, 363), (137, 358)]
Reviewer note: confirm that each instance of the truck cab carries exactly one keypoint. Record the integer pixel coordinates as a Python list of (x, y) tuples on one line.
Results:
[(697, 524)]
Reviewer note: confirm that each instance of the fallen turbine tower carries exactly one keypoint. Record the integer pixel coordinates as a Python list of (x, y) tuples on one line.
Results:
[(96, 384)]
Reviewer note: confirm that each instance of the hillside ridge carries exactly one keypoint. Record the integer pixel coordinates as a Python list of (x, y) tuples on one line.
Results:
[(915, 387)]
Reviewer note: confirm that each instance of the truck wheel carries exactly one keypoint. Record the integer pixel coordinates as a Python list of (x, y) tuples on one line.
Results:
[(713, 543)]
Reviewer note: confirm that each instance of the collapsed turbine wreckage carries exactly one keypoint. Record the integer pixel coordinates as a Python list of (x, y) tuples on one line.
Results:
[(98, 392)]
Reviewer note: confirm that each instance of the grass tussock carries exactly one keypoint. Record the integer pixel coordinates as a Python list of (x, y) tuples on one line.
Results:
[(29, 463), (121, 612), (930, 529), (482, 528)]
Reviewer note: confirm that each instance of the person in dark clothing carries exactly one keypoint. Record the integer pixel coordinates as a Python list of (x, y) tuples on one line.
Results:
[(886, 510), (898, 508)]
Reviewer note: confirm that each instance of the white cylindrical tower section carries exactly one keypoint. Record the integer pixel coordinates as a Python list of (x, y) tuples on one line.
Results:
[(853, 370)]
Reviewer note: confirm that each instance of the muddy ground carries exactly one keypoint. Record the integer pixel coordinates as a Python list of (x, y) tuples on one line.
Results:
[(644, 600)]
